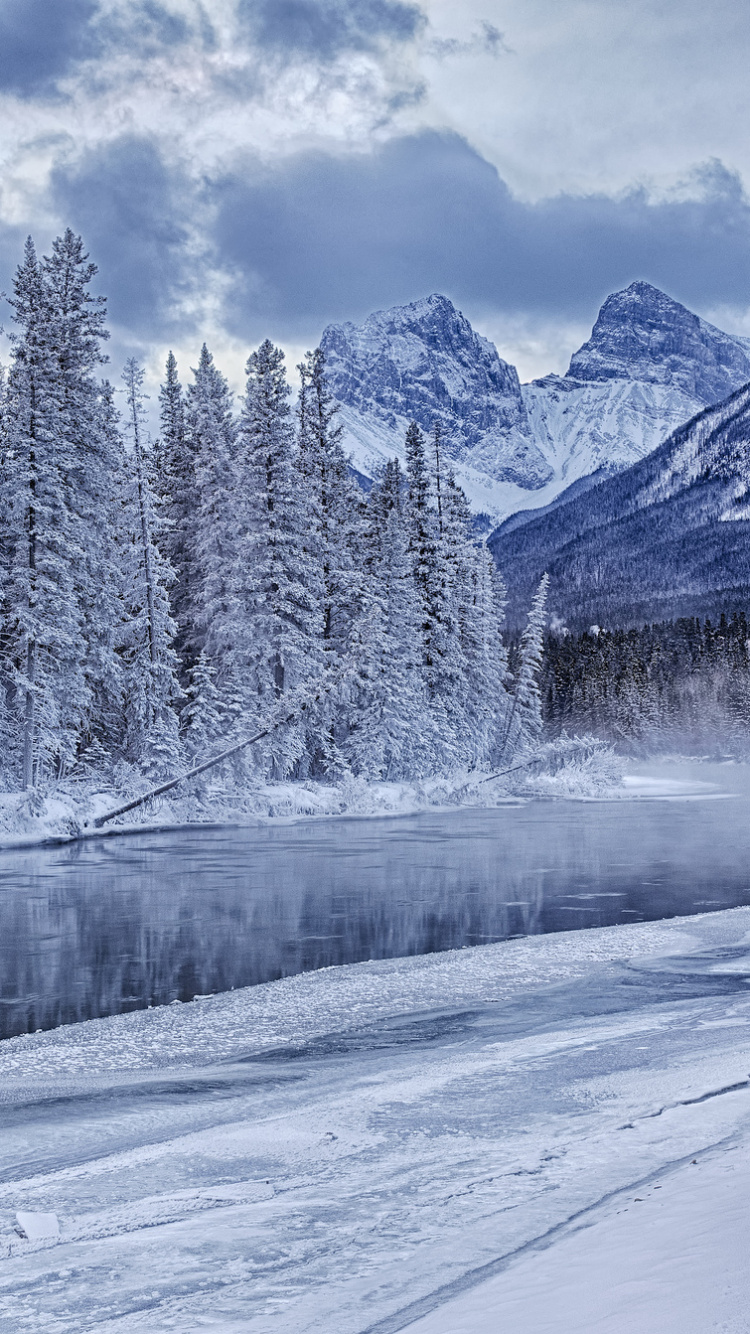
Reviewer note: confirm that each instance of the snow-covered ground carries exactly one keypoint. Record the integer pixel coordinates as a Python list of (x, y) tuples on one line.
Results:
[(581, 770), (667, 1257), (487, 1139)]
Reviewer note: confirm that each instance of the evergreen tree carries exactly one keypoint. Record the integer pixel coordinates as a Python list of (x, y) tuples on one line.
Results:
[(487, 703), (151, 688), (437, 465), (56, 509), (331, 501), (203, 718), (277, 587), (390, 731), (422, 546), (524, 724), (208, 608), (438, 548), (177, 508)]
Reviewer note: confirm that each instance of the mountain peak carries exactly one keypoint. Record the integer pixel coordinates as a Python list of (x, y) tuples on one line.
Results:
[(429, 315), (642, 334), (421, 361)]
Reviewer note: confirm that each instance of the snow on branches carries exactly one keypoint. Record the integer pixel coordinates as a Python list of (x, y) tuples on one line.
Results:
[(160, 600)]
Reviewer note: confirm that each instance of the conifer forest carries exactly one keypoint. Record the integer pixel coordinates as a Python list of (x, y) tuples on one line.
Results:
[(671, 686), (162, 597)]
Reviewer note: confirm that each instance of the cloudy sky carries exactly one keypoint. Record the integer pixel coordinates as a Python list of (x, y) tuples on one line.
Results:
[(250, 168)]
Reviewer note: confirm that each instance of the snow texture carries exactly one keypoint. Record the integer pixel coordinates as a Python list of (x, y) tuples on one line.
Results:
[(414, 1140)]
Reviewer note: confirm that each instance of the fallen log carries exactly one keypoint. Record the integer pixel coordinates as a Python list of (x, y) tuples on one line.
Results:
[(216, 759), (192, 773)]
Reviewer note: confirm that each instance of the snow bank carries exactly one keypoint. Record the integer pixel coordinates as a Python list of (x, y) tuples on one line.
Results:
[(307, 1006), (353, 1150), (68, 811), (668, 1257)]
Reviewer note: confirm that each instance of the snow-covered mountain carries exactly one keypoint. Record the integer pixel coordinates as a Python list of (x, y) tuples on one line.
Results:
[(649, 365), (642, 334), (669, 536), (422, 361)]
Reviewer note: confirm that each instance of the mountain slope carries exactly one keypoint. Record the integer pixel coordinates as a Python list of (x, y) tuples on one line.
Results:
[(423, 361), (649, 365), (670, 536)]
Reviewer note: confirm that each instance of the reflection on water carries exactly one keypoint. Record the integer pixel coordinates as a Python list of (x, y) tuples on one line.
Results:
[(108, 926)]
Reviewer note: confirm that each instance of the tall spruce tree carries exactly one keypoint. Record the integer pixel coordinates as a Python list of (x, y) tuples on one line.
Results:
[(524, 723), (333, 535), (331, 500), (487, 701), (278, 586), (56, 509), (152, 691), (177, 508), (208, 610), (389, 727), (436, 545)]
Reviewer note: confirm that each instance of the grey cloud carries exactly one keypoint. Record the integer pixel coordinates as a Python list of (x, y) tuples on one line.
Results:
[(323, 29), (319, 238), (41, 40), (133, 212), (146, 27), (323, 237), (488, 39)]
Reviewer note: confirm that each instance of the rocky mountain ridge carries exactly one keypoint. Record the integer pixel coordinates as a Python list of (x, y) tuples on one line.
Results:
[(422, 361), (649, 365)]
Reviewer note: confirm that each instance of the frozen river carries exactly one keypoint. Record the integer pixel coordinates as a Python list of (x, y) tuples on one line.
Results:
[(113, 925), (397, 1143), (355, 1150)]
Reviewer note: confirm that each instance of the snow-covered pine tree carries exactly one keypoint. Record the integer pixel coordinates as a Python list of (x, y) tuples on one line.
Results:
[(55, 518), (209, 612), (437, 468), (103, 741), (277, 586), (333, 507), (390, 733), (177, 508), (26, 482), (487, 702), (151, 688), (436, 544), (456, 633), (524, 723), (203, 718), (95, 479), (422, 541), (331, 501)]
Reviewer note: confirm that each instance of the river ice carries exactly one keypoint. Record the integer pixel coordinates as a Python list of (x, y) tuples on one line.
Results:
[(408, 1142)]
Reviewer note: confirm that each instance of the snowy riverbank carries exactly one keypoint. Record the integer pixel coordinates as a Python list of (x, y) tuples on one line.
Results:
[(598, 775), (354, 1149)]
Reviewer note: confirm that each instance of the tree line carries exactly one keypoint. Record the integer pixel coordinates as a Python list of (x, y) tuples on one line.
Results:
[(670, 685), (160, 597)]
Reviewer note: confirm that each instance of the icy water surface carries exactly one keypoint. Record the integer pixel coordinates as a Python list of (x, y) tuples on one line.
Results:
[(119, 924)]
